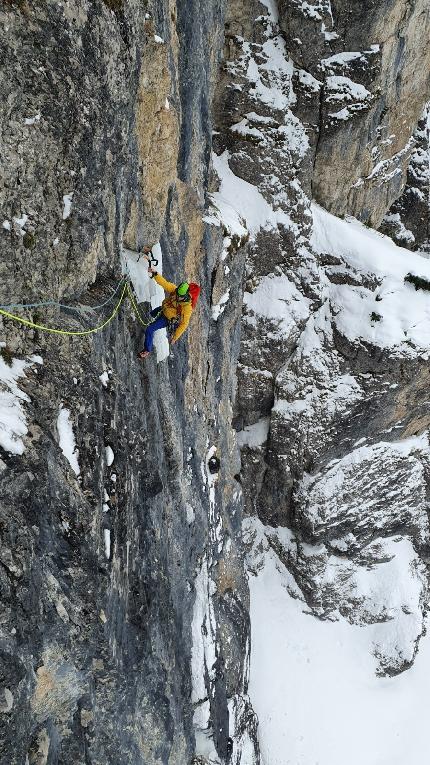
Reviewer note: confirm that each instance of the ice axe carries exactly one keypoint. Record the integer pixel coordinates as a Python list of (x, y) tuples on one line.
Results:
[(148, 254)]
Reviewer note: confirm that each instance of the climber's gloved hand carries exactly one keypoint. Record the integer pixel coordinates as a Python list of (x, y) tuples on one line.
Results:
[(151, 271)]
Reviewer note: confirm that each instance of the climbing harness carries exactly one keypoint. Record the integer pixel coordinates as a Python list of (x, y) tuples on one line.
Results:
[(123, 285)]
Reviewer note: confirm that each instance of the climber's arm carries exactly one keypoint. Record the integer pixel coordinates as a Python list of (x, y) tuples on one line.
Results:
[(167, 286), (183, 324)]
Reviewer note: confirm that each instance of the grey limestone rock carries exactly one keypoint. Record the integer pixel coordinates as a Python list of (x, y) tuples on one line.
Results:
[(104, 647)]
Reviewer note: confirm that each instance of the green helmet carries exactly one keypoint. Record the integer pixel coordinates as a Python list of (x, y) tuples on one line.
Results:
[(182, 289)]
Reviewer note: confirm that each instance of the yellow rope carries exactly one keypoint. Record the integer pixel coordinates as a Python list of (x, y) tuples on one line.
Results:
[(135, 308), (68, 331)]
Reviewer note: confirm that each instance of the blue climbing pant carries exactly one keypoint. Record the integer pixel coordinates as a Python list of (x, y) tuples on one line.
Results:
[(159, 323)]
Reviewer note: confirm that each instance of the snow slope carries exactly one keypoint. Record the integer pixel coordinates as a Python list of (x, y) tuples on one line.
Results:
[(313, 683)]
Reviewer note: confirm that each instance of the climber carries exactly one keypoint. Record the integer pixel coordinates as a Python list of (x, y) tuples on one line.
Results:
[(175, 311)]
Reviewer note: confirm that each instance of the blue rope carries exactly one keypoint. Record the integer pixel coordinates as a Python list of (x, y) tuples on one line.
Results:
[(63, 305)]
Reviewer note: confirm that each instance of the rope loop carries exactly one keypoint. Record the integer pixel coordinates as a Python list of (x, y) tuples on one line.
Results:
[(126, 291)]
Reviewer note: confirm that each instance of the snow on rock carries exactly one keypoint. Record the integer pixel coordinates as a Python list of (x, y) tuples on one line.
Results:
[(104, 378), (384, 585), (13, 423), (403, 326), (66, 439), (110, 456), (385, 170), (203, 632), (219, 307), (107, 541), (190, 514), (243, 727), (315, 394), (32, 120), (244, 128), (402, 233), (341, 88), (237, 199), (21, 223), (277, 299), (67, 205), (203, 659), (316, 314), (341, 59), (380, 487), (336, 661), (254, 435)]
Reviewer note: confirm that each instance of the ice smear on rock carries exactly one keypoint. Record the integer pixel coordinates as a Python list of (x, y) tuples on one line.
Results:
[(147, 291)]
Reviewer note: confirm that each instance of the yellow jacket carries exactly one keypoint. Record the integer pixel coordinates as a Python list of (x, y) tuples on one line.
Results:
[(173, 308)]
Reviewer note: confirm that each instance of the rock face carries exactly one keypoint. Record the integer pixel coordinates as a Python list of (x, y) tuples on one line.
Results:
[(364, 58), (407, 221), (331, 408), (125, 628)]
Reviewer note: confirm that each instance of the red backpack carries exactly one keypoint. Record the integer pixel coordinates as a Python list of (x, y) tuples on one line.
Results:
[(194, 291)]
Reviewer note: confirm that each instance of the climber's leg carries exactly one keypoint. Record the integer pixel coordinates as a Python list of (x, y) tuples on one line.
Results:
[(159, 323)]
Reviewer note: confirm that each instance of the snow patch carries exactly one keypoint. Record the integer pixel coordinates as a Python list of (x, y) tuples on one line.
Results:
[(21, 223), (254, 435), (110, 456), (13, 423), (344, 89), (67, 441), (104, 379), (32, 120), (219, 307), (402, 233), (237, 199), (107, 541), (67, 205), (190, 513), (203, 656), (404, 312), (278, 299)]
